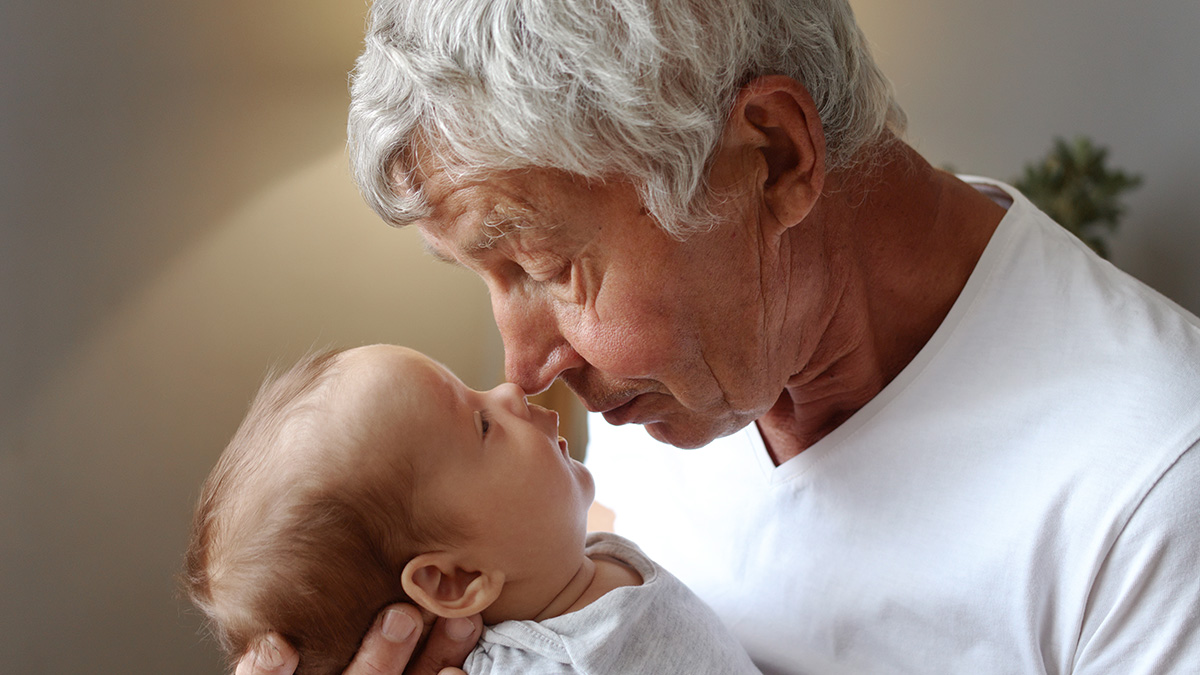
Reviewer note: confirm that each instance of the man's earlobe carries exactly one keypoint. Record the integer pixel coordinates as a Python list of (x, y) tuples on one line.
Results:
[(776, 116), (436, 582)]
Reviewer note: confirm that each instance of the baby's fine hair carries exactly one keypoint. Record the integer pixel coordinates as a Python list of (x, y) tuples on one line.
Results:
[(289, 537)]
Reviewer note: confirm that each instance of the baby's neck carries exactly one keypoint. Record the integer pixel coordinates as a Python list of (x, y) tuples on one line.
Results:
[(596, 576)]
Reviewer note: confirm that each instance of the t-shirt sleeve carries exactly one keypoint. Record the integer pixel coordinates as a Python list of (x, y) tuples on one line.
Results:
[(1143, 614)]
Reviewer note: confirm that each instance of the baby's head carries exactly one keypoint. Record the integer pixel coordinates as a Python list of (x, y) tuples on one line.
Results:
[(370, 476)]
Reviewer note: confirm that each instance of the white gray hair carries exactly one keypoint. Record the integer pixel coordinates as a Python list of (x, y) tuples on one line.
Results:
[(636, 88)]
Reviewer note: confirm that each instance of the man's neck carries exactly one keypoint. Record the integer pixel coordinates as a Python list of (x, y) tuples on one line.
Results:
[(902, 243)]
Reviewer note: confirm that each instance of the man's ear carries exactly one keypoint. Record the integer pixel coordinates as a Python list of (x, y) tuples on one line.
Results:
[(437, 583), (775, 118)]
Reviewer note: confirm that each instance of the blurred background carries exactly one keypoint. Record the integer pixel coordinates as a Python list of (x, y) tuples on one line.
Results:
[(176, 216)]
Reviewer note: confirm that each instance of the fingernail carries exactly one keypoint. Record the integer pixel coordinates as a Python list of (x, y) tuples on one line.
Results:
[(459, 629), (267, 655), (397, 625)]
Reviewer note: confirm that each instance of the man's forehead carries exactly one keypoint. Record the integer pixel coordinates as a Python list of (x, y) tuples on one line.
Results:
[(482, 221), (441, 180)]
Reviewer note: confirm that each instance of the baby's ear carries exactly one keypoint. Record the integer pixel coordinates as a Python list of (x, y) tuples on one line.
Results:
[(437, 583)]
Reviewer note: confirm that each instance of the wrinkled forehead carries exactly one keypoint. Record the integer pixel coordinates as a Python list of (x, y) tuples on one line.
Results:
[(466, 217), (426, 171), (516, 189)]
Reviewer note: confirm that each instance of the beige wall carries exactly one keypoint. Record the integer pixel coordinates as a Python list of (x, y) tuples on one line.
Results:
[(988, 85), (118, 434), (176, 216)]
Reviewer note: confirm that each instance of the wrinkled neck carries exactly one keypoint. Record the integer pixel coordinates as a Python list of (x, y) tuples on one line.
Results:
[(898, 246)]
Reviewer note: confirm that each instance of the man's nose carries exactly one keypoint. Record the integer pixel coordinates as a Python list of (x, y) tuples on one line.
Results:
[(535, 350)]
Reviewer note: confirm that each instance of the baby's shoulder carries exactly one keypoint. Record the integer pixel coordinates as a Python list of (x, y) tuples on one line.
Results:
[(615, 573)]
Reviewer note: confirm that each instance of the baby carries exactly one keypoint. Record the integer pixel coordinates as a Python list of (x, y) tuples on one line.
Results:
[(372, 476)]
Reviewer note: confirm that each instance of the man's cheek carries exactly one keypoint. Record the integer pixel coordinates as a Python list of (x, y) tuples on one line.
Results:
[(637, 349)]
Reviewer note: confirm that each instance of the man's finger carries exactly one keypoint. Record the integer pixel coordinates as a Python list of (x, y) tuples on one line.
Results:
[(389, 644), (449, 643), (271, 656)]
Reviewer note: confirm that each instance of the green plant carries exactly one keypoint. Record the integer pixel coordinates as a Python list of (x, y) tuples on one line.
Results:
[(1073, 186)]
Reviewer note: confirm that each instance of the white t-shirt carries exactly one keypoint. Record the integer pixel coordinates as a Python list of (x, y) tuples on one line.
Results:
[(1023, 498)]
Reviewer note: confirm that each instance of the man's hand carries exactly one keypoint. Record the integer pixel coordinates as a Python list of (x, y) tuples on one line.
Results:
[(386, 650)]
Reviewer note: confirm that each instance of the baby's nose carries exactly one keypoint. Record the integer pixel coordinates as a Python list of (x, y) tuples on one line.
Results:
[(514, 396)]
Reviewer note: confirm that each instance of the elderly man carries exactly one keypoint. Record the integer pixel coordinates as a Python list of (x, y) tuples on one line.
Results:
[(941, 435)]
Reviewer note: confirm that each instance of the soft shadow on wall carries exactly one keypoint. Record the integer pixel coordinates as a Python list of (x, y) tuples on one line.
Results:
[(177, 216), (118, 438)]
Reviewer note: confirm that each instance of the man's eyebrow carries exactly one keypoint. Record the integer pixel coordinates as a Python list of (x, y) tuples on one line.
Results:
[(501, 222)]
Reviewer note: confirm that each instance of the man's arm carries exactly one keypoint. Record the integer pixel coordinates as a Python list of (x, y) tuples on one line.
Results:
[(386, 649), (1143, 613)]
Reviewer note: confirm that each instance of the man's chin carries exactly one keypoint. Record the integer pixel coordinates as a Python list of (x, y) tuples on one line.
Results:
[(685, 437)]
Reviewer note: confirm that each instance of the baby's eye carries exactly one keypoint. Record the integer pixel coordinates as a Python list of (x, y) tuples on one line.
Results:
[(482, 422)]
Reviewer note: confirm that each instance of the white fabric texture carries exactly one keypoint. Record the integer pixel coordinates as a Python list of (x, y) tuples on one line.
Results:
[(659, 627), (1023, 498)]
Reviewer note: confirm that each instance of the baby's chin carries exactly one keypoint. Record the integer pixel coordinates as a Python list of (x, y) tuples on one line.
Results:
[(589, 494)]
